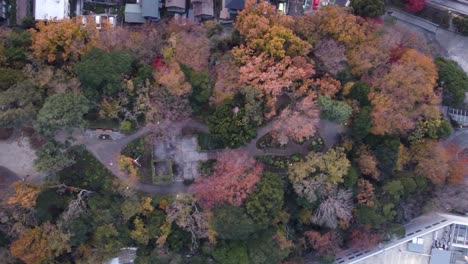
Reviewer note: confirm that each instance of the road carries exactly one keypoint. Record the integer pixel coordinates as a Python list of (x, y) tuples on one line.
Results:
[(458, 6), (107, 152)]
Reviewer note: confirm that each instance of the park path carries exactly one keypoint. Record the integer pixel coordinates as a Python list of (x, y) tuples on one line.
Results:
[(108, 151)]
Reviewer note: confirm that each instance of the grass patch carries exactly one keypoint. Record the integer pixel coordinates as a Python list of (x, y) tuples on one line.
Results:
[(162, 172), (210, 142)]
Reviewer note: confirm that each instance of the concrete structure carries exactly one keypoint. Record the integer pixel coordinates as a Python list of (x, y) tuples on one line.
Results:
[(459, 115), (134, 13), (51, 9), (430, 239), (175, 6), (203, 8)]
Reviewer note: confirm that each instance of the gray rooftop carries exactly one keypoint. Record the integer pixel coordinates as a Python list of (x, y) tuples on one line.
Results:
[(439, 256), (134, 13), (151, 9)]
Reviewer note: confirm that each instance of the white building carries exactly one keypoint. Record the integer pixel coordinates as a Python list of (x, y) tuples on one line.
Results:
[(51, 9)]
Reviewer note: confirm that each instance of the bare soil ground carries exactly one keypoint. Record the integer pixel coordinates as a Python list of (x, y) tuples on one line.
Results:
[(17, 156)]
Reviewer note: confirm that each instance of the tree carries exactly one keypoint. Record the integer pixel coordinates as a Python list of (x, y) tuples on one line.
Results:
[(227, 80), (52, 157), (363, 237), (19, 104), (140, 232), (271, 77), (453, 80), (366, 57), (365, 194), (25, 194), (368, 163), (334, 110), (368, 8), (313, 177), (265, 248), (414, 6), (192, 48), (185, 213), (431, 161), (9, 77), (335, 209), (234, 252), (172, 78), (394, 189), (266, 201), (399, 102), (231, 125), (61, 111), (62, 41), (106, 242), (461, 24), (101, 73), (362, 123), (334, 22), (234, 178), (331, 54), (232, 223), (327, 85), (202, 87), (360, 92), (163, 104), (297, 121), (324, 244), (41, 244)]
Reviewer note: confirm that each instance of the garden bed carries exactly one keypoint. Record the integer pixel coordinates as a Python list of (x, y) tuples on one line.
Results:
[(162, 172), (141, 147), (268, 141)]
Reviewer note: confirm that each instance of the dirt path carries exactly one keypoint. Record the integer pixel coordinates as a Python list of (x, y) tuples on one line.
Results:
[(107, 152), (18, 156)]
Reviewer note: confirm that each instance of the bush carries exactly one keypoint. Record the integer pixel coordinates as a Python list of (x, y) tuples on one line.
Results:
[(368, 8), (454, 81), (126, 126), (334, 110)]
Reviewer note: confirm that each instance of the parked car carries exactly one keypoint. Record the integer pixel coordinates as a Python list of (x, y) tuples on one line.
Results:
[(316, 4)]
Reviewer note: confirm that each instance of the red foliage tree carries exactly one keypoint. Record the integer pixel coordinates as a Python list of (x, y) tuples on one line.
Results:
[(234, 178), (324, 244), (363, 237), (414, 6)]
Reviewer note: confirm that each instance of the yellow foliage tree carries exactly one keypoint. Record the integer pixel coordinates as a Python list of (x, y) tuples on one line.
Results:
[(62, 41), (25, 194)]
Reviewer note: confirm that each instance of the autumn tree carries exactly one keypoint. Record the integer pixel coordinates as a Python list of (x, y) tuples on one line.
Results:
[(364, 237), (234, 178), (327, 85), (366, 57), (226, 80), (399, 102), (173, 79), (334, 110), (334, 22), (62, 41), (368, 163), (192, 48), (297, 121), (331, 55), (458, 165), (335, 209), (414, 6), (365, 194), (41, 244), (324, 244), (313, 177), (432, 161), (25, 194)]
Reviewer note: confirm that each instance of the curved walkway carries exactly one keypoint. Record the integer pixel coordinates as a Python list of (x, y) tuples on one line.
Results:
[(107, 152)]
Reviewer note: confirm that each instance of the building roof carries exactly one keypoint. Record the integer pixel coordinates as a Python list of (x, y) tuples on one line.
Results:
[(151, 9), (235, 4), (134, 13), (418, 227), (203, 8), (175, 5), (439, 256), (51, 9)]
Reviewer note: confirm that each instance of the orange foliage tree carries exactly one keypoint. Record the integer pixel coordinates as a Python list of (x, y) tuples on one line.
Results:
[(172, 77), (324, 244), (334, 22), (458, 165), (227, 80), (41, 244), (432, 161), (363, 237), (234, 178), (399, 102), (327, 85), (62, 41), (368, 163), (192, 48), (365, 194), (25, 194)]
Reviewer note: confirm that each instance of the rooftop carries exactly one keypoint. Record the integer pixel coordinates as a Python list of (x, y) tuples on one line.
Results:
[(51, 9)]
